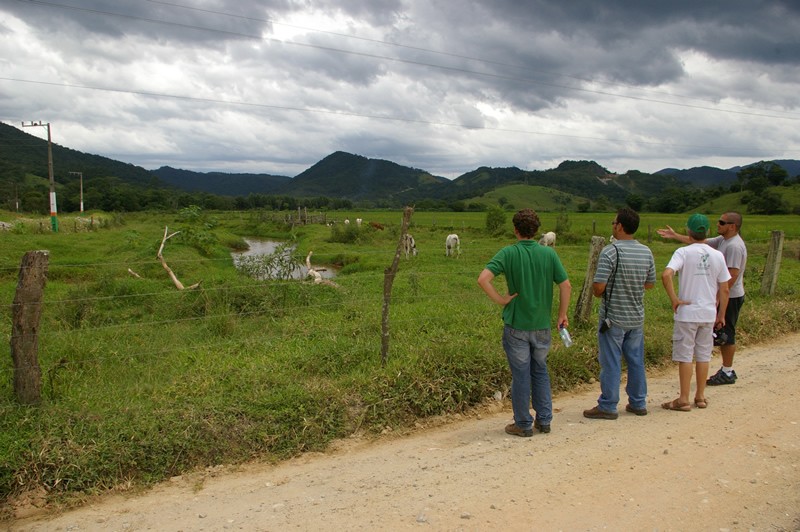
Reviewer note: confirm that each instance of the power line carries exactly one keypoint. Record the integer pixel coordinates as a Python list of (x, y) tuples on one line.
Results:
[(368, 116), (413, 62), (439, 52)]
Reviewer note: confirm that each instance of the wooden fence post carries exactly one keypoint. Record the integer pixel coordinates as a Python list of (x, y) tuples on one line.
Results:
[(583, 308), (769, 281), (388, 279), (26, 312)]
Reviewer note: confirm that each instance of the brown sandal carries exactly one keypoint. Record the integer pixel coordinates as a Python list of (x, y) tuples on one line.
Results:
[(700, 403), (677, 406)]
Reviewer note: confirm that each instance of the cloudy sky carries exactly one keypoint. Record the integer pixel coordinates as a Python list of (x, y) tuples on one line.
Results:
[(274, 86)]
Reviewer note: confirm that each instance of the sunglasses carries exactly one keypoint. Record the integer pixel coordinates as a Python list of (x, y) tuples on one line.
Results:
[(723, 222)]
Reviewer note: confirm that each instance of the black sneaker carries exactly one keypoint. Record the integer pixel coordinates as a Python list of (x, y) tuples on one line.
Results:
[(720, 377), (596, 413), (514, 430), (544, 429)]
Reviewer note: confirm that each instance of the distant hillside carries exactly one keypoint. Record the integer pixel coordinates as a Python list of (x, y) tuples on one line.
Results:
[(543, 199), (702, 176), (221, 183), (344, 175), (114, 185), (791, 166), (484, 179), (705, 176), (733, 201), (583, 178), (22, 153)]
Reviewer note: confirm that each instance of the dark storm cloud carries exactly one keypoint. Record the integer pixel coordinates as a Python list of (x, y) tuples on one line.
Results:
[(628, 41), (167, 21)]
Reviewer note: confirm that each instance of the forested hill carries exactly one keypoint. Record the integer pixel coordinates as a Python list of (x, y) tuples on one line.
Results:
[(339, 176), (359, 178), (21, 154), (222, 183)]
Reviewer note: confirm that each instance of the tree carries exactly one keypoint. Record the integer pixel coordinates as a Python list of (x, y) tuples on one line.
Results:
[(767, 202), (757, 177), (495, 219), (635, 202)]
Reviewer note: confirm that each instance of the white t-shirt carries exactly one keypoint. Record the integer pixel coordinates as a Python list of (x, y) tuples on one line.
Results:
[(700, 269)]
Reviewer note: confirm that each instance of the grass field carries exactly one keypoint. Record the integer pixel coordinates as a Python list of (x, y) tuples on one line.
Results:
[(141, 381)]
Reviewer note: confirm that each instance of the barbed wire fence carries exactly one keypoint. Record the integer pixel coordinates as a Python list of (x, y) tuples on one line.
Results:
[(27, 338)]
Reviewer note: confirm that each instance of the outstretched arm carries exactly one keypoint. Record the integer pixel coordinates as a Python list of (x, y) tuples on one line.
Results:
[(669, 232)]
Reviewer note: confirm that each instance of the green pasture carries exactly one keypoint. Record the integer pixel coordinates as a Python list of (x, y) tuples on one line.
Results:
[(141, 381)]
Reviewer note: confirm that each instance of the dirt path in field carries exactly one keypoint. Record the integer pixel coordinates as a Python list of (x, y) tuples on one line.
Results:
[(733, 466)]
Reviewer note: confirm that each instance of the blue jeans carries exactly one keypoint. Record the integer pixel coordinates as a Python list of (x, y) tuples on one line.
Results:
[(526, 352), (614, 344)]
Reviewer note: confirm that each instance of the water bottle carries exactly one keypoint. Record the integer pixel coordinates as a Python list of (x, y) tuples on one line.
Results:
[(565, 337)]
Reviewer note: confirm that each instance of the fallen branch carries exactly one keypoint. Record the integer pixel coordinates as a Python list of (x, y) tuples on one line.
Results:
[(134, 273), (171, 274), (312, 272)]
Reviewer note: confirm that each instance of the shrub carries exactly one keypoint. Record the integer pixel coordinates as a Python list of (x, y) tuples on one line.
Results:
[(495, 219)]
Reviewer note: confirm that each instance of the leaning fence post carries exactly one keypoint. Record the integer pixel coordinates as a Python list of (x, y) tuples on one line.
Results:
[(769, 281), (583, 308), (388, 280), (26, 312)]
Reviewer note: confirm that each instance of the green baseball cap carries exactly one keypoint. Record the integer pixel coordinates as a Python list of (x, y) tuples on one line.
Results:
[(698, 223)]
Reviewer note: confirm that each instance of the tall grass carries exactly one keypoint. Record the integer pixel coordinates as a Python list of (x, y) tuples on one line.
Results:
[(142, 381)]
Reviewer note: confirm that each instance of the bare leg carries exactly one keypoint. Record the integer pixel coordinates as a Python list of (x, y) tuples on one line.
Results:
[(685, 375), (727, 352), (702, 375)]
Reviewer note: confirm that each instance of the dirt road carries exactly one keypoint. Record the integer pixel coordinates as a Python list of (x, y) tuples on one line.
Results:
[(732, 466)]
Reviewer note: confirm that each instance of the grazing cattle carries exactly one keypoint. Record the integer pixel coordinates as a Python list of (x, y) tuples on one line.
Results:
[(346, 221), (548, 239), (358, 222), (409, 245), (376, 225), (452, 246)]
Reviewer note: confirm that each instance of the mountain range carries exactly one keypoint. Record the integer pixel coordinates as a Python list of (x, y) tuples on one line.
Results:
[(354, 177)]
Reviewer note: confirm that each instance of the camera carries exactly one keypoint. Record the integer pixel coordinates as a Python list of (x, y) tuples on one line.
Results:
[(720, 336), (605, 325)]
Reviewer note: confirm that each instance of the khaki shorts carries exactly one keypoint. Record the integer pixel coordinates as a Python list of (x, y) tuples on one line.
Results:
[(690, 339)]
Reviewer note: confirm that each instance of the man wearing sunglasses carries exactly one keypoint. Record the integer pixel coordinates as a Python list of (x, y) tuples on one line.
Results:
[(730, 243)]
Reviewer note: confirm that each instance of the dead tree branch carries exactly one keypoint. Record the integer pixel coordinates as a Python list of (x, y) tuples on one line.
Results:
[(171, 274), (318, 279)]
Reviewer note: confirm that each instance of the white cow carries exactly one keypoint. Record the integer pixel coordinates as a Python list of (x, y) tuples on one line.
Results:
[(548, 239), (358, 222), (409, 245), (347, 221), (452, 246)]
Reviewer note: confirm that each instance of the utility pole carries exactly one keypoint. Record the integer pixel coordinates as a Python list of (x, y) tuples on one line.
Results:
[(53, 209), (80, 174)]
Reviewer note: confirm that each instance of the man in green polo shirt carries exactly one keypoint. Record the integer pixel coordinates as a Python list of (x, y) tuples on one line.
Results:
[(530, 271)]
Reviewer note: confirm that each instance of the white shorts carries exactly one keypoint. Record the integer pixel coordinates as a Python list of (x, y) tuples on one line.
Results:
[(690, 339)]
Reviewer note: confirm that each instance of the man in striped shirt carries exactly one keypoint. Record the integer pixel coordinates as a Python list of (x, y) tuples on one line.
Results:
[(624, 270)]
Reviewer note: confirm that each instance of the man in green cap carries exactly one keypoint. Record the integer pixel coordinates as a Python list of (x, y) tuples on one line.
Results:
[(730, 243), (699, 307)]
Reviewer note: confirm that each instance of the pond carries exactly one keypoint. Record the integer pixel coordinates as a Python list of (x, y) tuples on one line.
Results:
[(261, 261)]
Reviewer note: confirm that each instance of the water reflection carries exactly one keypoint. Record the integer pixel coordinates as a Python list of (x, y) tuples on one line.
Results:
[(260, 261)]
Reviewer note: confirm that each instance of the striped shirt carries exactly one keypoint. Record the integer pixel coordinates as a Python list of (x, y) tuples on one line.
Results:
[(635, 268)]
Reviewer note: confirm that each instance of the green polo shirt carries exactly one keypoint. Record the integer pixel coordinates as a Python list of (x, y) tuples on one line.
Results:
[(530, 271)]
